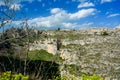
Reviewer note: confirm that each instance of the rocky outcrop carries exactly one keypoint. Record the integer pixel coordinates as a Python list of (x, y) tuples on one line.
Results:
[(47, 45), (95, 51)]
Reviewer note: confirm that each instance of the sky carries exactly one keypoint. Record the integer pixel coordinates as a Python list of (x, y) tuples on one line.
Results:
[(67, 14)]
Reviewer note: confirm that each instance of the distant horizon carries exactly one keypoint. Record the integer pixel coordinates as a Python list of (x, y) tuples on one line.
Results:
[(66, 29)]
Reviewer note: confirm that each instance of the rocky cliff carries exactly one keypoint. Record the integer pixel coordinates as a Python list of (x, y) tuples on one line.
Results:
[(90, 51)]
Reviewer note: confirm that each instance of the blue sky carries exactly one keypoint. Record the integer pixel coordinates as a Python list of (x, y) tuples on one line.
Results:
[(68, 14)]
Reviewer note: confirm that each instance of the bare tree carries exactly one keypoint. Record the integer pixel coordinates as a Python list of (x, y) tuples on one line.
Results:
[(7, 17)]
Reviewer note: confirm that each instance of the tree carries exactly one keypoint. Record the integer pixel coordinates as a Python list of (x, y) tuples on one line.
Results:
[(23, 35), (59, 29)]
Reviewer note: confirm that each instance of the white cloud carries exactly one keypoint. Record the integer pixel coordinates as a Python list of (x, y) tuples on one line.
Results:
[(15, 6), (70, 25), (61, 18), (16, 22), (55, 10), (113, 15), (86, 4), (83, 13), (104, 1)]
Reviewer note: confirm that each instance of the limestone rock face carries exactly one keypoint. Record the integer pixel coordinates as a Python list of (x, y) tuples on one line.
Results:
[(46, 45), (93, 51)]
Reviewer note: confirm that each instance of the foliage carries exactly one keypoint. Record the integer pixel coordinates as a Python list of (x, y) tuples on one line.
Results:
[(58, 29), (18, 35), (93, 77), (40, 55), (8, 76), (43, 55), (73, 69), (105, 33), (13, 39), (84, 77), (58, 58)]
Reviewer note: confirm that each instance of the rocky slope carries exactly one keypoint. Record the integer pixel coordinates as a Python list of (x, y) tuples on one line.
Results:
[(90, 51)]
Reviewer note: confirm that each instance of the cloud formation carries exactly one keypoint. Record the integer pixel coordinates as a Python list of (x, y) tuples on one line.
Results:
[(113, 15), (56, 10), (86, 4), (82, 13), (61, 18)]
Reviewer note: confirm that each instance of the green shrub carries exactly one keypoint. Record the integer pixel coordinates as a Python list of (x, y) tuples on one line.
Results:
[(16, 77), (44, 55), (84, 77), (93, 77), (25, 78), (40, 55), (8, 76), (104, 33)]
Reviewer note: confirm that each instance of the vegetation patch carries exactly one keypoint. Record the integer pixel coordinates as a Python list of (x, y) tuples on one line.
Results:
[(9, 76), (93, 77), (43, 55), (40, 55)]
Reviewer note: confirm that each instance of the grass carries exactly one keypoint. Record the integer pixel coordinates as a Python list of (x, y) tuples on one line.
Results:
[(93, 77), (43, 55), (70, 35), (40, 55)]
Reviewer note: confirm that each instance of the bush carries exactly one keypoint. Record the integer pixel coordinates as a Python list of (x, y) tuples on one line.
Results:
[(84, 77), (8, 76), (44, 55), (93, 77), (104, 33), (40, 55)]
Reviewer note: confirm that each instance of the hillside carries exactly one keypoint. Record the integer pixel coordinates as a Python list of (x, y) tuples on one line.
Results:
[(89, 51), (76, 52)]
